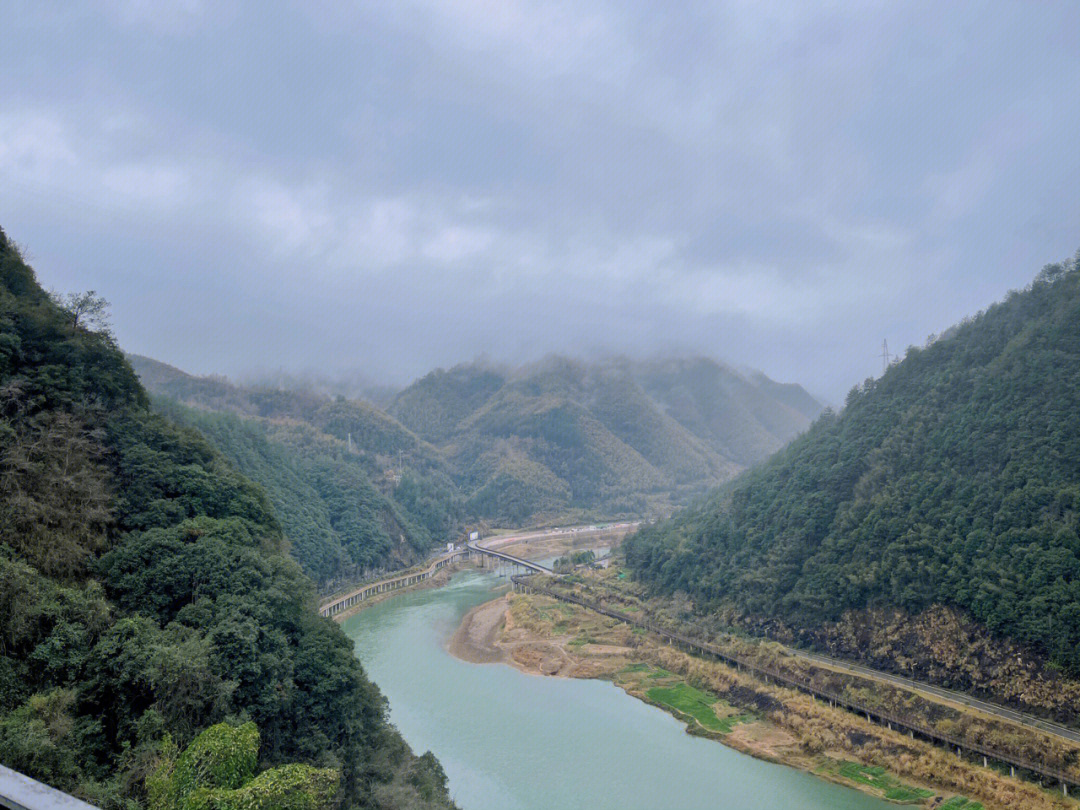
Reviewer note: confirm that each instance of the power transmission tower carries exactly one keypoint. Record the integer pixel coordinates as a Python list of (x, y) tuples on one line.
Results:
[(885, 355)]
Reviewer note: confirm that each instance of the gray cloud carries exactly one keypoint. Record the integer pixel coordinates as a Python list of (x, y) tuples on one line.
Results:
[(393, 186)]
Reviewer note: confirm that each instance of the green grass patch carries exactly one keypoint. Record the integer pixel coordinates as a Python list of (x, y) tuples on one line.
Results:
[(960, 803), (880, 779), (661, 673), (631, 668), (691, 702), (580, 641)]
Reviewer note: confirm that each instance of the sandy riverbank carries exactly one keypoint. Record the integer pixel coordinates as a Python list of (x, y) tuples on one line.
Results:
[(541, 636), (476, 639), (488, 634)]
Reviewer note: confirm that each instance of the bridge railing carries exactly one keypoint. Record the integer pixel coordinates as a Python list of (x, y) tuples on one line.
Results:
[(789, 680), (20, 792), (344, 601), (510, 558)]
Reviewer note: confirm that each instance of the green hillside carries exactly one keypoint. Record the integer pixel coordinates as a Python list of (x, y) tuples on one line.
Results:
[(557, 441), (743, 417), (145, 590), (373, 431), (435, 405), (954, 480), (330, 467), (597, 439)]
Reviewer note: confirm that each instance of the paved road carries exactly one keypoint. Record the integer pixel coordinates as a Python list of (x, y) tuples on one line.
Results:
[(1021, 718)]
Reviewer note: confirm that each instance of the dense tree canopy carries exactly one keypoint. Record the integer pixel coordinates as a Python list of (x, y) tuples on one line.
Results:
[(356, 492), (145, 589), (340, 524), (954, 479)]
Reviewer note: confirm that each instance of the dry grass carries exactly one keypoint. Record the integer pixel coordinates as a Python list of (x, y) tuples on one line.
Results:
[(822, 732)]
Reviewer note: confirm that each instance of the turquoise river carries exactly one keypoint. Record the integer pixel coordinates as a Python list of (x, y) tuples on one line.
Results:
[(510, 740)]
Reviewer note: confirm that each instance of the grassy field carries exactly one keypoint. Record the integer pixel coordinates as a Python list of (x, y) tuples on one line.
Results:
[(669, 691), (960, 803), (890, 787)]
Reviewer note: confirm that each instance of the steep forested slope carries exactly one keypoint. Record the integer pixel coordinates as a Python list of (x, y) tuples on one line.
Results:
[(953, 482), (743, 417), (373, 432), (605, 438), (355, 491), (435, 405), (145, 591)]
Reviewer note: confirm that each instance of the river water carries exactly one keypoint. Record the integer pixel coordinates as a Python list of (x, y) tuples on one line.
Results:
[(509, 740)]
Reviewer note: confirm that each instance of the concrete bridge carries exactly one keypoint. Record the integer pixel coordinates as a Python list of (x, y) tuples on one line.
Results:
[(490, 556), (486, 557), (483, 551)]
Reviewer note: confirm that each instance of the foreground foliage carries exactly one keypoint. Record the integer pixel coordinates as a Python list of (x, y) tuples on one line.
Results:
[(217, 772), (145, 589), (952, 480)]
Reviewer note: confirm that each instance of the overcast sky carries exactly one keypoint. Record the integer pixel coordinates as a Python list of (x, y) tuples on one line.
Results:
[(394, 185)]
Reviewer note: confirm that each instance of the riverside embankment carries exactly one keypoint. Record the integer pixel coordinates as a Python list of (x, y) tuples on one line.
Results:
[(512, 740), (539, 634)]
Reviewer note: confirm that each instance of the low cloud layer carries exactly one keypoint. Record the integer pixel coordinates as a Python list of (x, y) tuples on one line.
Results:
[(394, 186)]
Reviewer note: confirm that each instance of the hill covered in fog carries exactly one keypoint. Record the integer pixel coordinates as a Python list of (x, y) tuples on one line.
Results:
[(562, 440), (621, 436)]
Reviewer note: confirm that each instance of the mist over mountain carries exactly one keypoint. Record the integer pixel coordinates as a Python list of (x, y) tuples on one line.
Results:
[(355, 491), (355, 342), (629, 437), (552, 441)]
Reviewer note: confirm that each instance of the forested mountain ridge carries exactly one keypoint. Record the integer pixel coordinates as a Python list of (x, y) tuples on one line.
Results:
[(144, 590), (616, 437), (356, 492), (950, 484), (372, 430), (558, 441)]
